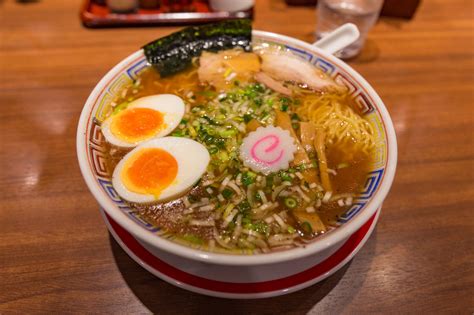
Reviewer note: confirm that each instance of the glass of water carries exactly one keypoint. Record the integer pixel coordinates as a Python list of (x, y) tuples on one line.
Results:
[(334, 13)]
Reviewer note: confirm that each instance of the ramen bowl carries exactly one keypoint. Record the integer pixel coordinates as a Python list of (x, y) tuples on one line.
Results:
[(230, 275)]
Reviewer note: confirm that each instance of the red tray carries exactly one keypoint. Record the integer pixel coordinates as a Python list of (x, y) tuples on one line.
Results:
[(98, 16)]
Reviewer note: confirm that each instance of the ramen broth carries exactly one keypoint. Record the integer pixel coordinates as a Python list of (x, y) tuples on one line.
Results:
[(348, 169)]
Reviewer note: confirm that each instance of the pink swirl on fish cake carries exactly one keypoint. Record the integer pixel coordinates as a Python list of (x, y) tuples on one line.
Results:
[(267, 150), (271, 148)]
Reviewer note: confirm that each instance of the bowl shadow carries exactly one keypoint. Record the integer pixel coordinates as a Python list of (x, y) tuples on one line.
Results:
[(161, 297)]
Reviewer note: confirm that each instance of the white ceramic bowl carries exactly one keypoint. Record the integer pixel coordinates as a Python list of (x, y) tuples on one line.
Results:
[(242, 268)]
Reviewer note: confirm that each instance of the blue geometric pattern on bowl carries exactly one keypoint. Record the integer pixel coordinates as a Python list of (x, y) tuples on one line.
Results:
[(109, 189), (136, 69), (371, 184)]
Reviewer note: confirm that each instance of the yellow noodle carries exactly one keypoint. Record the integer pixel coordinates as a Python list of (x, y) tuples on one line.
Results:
[(344, 127)]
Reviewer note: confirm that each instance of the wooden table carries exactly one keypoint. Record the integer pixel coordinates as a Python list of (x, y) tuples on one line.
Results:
[(57, 256)]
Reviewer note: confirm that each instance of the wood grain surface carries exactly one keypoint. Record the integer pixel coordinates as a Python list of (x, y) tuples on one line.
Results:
[(56, 255)]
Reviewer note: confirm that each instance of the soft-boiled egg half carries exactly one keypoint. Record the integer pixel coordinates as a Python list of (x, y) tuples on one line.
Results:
[(143, 119), (160, 169)]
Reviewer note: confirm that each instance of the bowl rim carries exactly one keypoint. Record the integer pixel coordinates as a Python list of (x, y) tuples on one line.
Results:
[(324, 242)]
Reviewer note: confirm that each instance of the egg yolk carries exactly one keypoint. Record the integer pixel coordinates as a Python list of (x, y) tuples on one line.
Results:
[(137, 124), (149, 171)]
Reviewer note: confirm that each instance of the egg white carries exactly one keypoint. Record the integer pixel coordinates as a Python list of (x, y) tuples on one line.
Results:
[(171, 106), (191, 156)]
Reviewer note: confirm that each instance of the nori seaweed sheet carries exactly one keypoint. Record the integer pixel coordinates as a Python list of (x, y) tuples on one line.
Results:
[(174, 53)]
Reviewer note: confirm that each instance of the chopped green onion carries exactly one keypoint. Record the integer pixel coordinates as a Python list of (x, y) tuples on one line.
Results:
[(192, 131), (260, 227), (306, 226), (244, 206), (223, 156), (119, 108), (270, 179), (291, 202), (285, 177), (295, 117), (246, 221), (302, 167), (220, 117), (193, 239), (178, 133), (192, 198), (228, 133), (342, 165), (227, 72), (227, 193), (248, 178), (291, 229), (209, 94), (213, 150), (258, 87), (227, 210), (210, 120), (196, 109), (285, 100), (265, 116)]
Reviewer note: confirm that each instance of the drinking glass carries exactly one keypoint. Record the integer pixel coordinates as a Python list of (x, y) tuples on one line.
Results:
[(334, 13)]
